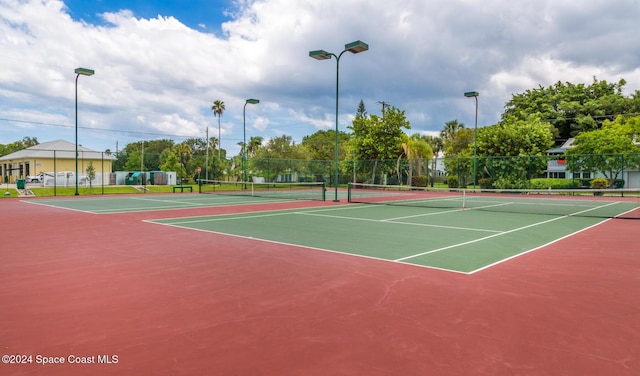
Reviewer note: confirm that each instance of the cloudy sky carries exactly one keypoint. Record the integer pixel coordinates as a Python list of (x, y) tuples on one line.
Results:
[(159, 65)]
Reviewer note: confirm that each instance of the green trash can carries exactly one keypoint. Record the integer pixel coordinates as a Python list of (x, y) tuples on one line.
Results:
[(20, 183)]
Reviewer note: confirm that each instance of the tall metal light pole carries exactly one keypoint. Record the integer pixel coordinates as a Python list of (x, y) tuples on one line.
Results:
[(206, 160), (475, 95), (353, 47), (244, 140), (78, 72)]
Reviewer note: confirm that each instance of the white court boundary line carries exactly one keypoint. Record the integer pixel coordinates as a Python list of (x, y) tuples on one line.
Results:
[(186, 205), (56, 207), (304, 246), (503, 233), (393, 221), (537, 248), (311, 212), (182, 225)]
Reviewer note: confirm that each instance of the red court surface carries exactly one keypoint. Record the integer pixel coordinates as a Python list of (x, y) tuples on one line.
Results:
[(154, 300)]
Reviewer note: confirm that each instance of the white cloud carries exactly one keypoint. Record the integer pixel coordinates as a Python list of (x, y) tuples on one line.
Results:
[(159, 77)]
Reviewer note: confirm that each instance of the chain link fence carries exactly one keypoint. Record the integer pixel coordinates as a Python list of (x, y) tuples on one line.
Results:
[(524, 172)]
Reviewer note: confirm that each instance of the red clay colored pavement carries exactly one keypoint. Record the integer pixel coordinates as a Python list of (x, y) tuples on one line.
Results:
[(170, 301)]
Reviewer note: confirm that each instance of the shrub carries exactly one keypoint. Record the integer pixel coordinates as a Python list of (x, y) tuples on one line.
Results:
[(599, 183), (419, 181), (509, 183), (452, 181), (485, 183), (554, 183), (618, 183), (585, 183)]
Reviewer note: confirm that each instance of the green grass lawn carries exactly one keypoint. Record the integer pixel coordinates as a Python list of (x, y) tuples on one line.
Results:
[(107, 190), (86, 191), (9, 193)]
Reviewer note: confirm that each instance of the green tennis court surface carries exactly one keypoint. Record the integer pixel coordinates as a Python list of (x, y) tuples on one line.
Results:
[(105, 205), (457, 240)]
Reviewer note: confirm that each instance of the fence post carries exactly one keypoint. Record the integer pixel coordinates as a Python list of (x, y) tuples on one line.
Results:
[(55, 175)]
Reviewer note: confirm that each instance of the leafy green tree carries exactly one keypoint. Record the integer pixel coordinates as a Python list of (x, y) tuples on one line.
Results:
[(120, 161), (572, 108), (362, 111), (255, 142), (91, 173), (415, 148), (449, 132), (172, 163), (197, 145), (514, 137), (436, 145), (184, 153), (629, 126), (379, 138), (153, 155), (608, 150), (26, 142), (511, 138), (153, 152), (134, 162), (279, 155), (322, 145), (320, 149), (458, 151)]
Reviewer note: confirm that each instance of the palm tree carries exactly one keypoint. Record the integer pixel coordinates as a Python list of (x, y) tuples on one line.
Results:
[(448, 134), (436, 145), (254, 143), (414, 148), (184, 153), (421, 149), (218, 108)]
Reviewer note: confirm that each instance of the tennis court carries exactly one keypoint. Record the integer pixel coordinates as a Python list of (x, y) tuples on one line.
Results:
[(110, 205), (249, 194), (457, 239)]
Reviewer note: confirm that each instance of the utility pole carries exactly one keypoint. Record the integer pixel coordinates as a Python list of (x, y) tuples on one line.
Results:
[(384, 105)]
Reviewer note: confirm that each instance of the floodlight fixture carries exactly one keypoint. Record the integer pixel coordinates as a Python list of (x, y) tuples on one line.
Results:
[(320, 54), (85, 71), (356, 47)]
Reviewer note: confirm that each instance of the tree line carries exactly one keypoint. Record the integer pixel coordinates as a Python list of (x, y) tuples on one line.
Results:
[(600, 118)]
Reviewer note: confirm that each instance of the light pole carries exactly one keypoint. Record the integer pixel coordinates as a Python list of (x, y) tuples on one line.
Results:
[(244, 140), (353, 47), (475, 95), (78, 72)]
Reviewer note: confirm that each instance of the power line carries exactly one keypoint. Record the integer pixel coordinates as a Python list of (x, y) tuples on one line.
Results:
[(95, 129), (593, 117)]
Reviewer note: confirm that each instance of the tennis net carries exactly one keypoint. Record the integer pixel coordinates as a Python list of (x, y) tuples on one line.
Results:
[(599, 203), (282, 191)]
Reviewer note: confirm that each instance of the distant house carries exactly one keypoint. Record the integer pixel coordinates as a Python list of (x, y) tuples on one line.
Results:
[(53, 157), (557, 168)]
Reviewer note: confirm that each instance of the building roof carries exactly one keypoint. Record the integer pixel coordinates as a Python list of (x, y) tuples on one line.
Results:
[(562, 148), (59, 149)]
